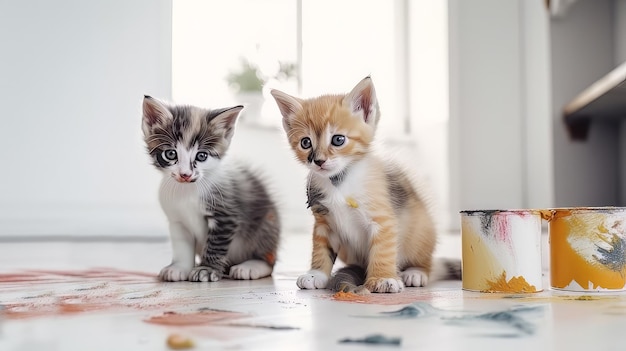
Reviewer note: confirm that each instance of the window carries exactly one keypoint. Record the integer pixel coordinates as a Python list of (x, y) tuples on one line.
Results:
[(402, 44)]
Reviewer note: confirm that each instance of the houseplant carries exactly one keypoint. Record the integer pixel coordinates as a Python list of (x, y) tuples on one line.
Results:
[(247, 83)]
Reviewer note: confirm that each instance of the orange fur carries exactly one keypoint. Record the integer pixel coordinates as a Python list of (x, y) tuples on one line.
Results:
[(322, 258), (385, 227)]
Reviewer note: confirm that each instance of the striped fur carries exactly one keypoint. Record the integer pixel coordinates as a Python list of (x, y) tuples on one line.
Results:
[(367, 211), (220, 212)]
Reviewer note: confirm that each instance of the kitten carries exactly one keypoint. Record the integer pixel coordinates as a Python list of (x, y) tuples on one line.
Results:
[(217, 208), (367, 212)]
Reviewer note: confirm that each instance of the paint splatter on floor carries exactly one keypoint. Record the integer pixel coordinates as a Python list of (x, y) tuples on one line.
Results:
[(508, 323), (550, 297), (407, 296), (194, 318), (179, 342), (42, 293), (263, 326), (413, 311), (50, 276), (377, 339), (348, 296)]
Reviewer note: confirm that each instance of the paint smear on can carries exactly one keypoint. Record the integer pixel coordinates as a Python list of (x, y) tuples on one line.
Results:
[(588, 249), (513, 285), (501, 250)]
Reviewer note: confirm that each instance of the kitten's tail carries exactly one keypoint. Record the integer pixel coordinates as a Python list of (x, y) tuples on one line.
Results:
[(352, 277), (348, 279), (446, 269)]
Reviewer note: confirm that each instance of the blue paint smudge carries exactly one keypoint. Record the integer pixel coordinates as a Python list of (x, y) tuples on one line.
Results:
[(510, 318), (415, 310), (376, 339), (412, 311), (615, 257)]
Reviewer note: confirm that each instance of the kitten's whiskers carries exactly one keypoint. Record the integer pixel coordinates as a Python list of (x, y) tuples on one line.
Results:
[(215, 187)]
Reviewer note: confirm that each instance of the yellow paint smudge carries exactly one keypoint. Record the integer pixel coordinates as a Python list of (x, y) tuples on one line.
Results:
[(352, 202), (514, 285), (477, 258), (179, 342)]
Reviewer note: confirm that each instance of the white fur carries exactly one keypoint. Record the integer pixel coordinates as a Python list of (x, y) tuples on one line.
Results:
[(183, 254), (251, 269), (388, 285), (183, 206), (354, 225), (314, 279), (414, 277), (204, 274), (333, 165)]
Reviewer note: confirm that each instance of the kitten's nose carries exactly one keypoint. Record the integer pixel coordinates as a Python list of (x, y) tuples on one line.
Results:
[(185, 176), (319, 162)]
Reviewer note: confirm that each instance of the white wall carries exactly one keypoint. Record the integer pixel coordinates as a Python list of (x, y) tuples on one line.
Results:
[(485, 106), (428, 96), (500, 126), (586, 173), (619, 30), (72, 76), (538, 148)]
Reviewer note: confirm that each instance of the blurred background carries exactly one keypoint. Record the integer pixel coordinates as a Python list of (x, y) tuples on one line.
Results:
[(472, 95)]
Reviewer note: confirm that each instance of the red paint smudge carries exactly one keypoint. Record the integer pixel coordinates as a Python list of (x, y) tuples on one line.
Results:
[(110, 274), (501, 227), (195, 318)]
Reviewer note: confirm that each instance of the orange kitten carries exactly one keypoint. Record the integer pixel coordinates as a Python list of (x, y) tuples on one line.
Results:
[(367, 212)]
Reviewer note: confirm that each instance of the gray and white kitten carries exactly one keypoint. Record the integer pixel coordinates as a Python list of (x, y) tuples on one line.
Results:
[(217, 208)]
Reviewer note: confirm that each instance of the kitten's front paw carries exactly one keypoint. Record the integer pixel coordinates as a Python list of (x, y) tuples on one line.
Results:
[(384, 285), (314, 279), (252, 269), (204, 274), (414, 277), (173, 273)]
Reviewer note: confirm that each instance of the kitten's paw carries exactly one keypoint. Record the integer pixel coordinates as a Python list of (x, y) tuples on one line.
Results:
[(204, 274), (414, 277), (384, 285), (314, 279), (252, 269), (173, 273)]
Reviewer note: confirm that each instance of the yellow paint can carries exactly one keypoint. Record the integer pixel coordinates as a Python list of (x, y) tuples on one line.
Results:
[(588, 249), (501, 250)]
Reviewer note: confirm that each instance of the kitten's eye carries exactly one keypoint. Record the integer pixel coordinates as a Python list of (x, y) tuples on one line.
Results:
[(305, 143), (170, 155), (338, 140), (201, 156)]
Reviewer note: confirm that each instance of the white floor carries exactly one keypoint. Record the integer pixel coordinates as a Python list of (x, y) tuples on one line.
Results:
[(121, 307)]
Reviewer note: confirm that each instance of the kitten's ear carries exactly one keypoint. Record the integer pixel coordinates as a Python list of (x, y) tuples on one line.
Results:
[(154, 113), (362, 101), (226, 119), (289, 106)]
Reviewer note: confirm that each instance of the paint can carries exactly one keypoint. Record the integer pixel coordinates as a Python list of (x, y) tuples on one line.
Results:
[(588, 249), (501, 250)]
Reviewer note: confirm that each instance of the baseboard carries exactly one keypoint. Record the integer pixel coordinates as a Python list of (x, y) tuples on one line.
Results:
[(84, 221)]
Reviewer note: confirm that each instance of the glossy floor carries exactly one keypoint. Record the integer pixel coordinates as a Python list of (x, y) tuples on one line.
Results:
[(103, 296)]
